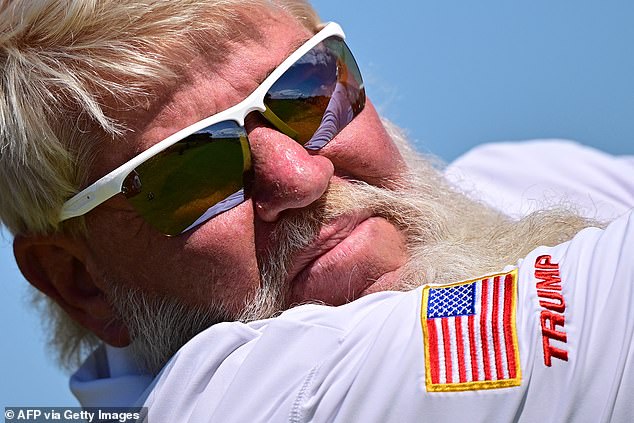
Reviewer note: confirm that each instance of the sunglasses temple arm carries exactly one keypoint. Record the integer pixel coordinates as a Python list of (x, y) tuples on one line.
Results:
[(279, 123)]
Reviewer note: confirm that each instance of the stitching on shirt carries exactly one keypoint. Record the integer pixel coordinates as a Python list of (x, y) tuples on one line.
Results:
[(296, 415)]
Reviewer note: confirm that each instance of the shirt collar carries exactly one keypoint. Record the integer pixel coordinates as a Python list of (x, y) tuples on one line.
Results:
[(110, 377)]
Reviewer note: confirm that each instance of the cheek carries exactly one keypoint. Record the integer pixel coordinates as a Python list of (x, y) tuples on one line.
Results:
[(213, 264), (223, 251), (365, 151)]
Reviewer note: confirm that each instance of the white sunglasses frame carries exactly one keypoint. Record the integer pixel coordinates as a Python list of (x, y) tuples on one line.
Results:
[(111, 184)]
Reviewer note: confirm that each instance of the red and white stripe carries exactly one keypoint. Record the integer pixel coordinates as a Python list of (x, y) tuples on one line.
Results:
[(479, 347)]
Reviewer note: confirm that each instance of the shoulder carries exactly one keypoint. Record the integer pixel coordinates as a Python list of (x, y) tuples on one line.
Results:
[(576, 321), (520, 177), (272, 362)]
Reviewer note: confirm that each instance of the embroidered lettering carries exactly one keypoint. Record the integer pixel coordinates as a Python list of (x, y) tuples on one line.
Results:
[(552, 318), (548, 279), (558, 306), (543, 262)]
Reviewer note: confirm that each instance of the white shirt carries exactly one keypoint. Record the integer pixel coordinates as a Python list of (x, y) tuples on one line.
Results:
[(366, 361), (520, 177)]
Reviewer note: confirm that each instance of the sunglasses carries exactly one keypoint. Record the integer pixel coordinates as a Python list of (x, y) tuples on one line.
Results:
[(204, 169)]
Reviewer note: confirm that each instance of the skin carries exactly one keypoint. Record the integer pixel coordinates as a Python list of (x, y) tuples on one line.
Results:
[(352, 256)]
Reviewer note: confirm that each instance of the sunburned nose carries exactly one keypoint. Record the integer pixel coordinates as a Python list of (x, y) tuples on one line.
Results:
[(287, 176)]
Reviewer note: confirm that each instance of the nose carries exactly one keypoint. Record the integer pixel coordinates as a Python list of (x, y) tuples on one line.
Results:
[(287, 176)]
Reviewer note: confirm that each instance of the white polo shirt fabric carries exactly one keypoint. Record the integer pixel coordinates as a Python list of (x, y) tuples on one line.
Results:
[(521, 177)]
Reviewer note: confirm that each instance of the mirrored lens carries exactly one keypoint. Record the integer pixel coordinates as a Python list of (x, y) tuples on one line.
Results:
[(204, 174), (193, 180), (319, 95)]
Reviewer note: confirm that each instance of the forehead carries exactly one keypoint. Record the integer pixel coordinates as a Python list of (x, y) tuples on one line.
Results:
[(210, 82)]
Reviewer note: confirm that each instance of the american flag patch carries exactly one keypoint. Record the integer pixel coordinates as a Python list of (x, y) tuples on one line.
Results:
[(470, 334)]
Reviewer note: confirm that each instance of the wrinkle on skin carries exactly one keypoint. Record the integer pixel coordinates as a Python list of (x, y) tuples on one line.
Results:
[(220, 263)]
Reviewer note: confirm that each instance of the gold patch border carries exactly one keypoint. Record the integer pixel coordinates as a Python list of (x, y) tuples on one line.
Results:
[(472, 386)]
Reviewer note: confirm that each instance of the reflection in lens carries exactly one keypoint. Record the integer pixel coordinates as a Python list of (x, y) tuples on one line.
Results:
[(193, 180), (319, 95)]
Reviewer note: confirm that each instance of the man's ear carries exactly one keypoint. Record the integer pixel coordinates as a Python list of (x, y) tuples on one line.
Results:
[(59, 266)]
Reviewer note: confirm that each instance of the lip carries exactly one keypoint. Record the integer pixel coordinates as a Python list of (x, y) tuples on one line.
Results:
[(328, 238), (334, 269)]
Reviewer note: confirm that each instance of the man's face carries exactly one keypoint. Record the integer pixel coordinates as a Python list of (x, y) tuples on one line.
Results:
[(221, 260)]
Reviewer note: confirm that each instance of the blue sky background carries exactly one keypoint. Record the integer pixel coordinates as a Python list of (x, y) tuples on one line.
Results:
[(455, 74)]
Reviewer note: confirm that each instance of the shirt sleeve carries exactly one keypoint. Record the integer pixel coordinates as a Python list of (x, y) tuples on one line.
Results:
[(579, 320)]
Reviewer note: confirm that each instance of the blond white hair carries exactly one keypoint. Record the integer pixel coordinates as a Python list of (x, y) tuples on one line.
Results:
[(68, 69)]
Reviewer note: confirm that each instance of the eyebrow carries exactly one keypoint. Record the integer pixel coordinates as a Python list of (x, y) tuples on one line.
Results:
[(292, 48)]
